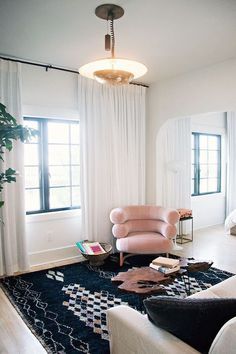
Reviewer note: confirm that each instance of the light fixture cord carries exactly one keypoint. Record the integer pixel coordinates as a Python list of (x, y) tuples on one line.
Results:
[(112, 38)]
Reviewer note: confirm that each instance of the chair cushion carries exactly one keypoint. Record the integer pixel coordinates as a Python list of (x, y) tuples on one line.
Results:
[(195, 321), (144, 242)]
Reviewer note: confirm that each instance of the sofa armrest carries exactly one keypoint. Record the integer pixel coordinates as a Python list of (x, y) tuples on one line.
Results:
[(130, 332), (225, 341)]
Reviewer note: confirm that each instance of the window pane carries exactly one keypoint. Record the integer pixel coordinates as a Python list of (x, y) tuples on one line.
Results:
[(57, 149), (203, 156), (58, 155), (75, 154), (58, 132), (31, 154), (75, 170), (60, 198), (212, 171), (32, 200), (75, 196), (203, 186), (59, 176), (212, 184), (212, 142), (212, 156), (32, 124), (75, 133), (203, 171), (32, 177), (202, 141), (207, 161)]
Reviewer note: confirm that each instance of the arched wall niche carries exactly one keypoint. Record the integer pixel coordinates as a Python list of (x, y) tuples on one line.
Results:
[(173, 173), (210, 89)]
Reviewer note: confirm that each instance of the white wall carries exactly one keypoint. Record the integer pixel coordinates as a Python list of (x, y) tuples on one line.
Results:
[(212, 89), (51, 236), (49, 93), (209, 209)]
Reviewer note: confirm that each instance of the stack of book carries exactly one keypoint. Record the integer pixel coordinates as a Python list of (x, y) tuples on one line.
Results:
[(91, 248), (165, 265)]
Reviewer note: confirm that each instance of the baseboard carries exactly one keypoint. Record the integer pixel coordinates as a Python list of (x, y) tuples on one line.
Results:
[(54, 255)]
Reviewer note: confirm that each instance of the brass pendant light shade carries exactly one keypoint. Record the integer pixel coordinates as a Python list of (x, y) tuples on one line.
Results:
[(113, 71)]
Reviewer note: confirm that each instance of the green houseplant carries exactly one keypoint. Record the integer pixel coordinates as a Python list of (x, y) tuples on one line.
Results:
[(10, 131)]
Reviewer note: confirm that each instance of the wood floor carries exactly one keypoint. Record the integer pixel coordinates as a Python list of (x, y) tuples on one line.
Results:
[(214, 244), (15, 337), (210, 243)]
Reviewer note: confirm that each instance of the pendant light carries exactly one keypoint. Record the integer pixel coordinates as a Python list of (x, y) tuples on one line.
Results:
[(113, 71)]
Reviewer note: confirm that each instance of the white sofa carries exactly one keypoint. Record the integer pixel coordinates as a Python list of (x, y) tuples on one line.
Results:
[(130, 332)]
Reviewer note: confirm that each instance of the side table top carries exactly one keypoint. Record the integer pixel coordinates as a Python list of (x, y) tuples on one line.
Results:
[(195, 265), (144, 280)]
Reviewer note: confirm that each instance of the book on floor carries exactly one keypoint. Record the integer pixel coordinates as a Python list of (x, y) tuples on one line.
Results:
[(164, 270), (88, 250), (166, 262), (91, 248), (96, 247), (79, 244)]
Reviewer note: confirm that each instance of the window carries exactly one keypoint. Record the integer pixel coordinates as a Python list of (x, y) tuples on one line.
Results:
[(206, 163), (52, 166)]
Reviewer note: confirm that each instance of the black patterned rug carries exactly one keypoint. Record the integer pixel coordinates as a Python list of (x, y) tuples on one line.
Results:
[(65, 307)]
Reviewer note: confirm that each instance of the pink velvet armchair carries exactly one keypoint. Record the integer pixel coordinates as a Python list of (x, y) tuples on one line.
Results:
[(143, 229)]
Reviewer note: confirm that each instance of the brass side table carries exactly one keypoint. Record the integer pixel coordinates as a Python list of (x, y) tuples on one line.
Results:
[(181, 237)]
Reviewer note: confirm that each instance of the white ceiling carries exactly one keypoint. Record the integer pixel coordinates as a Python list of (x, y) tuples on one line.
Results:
[(169, 36)]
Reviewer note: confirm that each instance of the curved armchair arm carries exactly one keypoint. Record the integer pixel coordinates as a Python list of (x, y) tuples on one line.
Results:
[(144, 212)]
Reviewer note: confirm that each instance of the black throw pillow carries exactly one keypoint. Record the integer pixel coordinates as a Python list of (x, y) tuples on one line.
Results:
[(195, 321)]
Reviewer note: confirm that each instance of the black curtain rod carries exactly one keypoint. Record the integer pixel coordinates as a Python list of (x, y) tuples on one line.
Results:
[(48, 66)]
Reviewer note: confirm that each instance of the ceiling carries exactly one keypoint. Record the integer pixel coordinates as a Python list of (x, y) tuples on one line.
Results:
[(170, 37)]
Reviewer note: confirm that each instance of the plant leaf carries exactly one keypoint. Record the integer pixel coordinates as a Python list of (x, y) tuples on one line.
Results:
[(10, 171), (8, 144)]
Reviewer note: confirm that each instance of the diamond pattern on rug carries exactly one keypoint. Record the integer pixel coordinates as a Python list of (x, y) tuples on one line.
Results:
[(51, 274), (91, 307), (28, 300), (185, 286)]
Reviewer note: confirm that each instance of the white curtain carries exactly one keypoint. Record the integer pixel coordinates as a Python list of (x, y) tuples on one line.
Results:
[(112, 153), (13, 250), (231, 163), (173, 173)]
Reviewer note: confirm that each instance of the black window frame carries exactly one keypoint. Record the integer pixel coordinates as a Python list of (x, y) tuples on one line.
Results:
[(44, 175), (196, 163)]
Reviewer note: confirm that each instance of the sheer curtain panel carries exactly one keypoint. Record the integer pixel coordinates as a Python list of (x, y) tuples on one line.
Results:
[(112, 121), (13, 250), (174, 164)]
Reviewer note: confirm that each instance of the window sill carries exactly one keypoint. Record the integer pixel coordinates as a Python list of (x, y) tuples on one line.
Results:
[(57, 215), (209, 195)]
